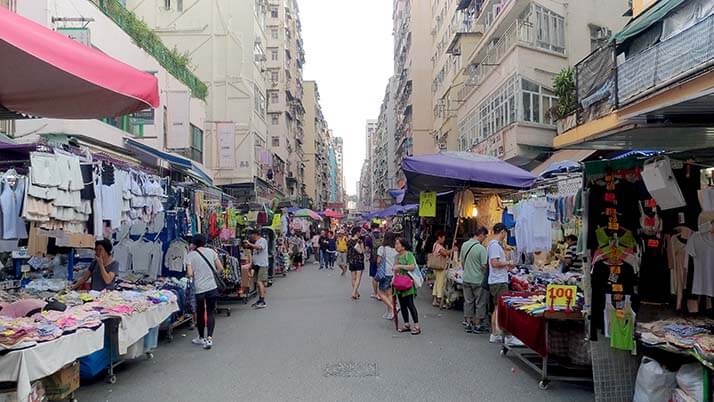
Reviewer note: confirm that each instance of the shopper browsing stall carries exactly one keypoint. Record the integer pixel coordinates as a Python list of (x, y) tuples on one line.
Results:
[(259, 246), (202, 264), (474, 258), (103, 270), (441, 253), (571, 260), (498, 268), (406, 263)]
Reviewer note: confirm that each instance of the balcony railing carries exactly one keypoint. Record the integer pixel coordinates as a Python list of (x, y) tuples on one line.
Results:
[(683, 53)]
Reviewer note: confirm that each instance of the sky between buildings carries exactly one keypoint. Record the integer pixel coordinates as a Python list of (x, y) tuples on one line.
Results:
[(348, 51)]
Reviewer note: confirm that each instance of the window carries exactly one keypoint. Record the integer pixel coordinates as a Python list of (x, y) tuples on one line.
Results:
[(259, 101), (550, 29), (537, 102), (274, 33), (276, 141), (274, 54), (275, 76), (179, 5), (274, 11), (275, 119), (274, 97), (196, 144), (167, 4)]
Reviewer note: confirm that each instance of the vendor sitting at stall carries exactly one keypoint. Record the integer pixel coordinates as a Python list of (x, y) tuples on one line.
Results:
[(103, 270), (571, 260)]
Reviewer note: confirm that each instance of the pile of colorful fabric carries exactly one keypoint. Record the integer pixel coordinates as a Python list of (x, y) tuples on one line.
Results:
[(695, 335), (535, 280), (536, 304), (20, 332)]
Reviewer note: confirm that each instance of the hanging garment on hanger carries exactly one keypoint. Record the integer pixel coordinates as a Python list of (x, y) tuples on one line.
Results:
[(12, 193), (622, 327), (700, 247)]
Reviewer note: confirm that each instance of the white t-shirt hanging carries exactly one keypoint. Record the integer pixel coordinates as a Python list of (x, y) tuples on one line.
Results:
[(701, 247)]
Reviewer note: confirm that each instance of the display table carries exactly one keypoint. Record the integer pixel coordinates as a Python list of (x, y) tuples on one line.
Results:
[(533, 332), (134, 327), (44, 359)]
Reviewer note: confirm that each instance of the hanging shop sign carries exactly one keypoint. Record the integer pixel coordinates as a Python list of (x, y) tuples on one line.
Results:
[(563, 296), (81, 35), (178, 126), (427, 204), (226, 145), (143, 117)]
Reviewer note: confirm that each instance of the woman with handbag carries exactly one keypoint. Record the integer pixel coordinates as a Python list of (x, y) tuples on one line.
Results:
[(203, 265), (404, 286), (386, 259), (437, 262)]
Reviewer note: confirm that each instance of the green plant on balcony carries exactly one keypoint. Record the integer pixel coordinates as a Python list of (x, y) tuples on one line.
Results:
[(175, 62), (564, 87)]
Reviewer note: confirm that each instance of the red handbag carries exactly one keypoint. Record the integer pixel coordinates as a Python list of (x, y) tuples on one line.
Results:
[(402, 282)]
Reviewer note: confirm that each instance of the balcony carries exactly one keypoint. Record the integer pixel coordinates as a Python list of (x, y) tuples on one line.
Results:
[(680, 55)]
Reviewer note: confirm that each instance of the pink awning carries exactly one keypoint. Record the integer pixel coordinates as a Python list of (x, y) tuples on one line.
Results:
[(45, 74)]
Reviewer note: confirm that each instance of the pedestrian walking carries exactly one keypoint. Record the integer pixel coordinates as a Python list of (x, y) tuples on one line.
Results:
[(406, 262), (373, 241), (355, 258), (440, 274), (315, 241), (474, 259), (259, 245), (498, 268), (331, 250), (386, 259), (201, 262), (342, 252), (297, 245), (323, 249)]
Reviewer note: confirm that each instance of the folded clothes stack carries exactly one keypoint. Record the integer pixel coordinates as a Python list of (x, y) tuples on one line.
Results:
[(22, 332), (694, 335), (535, 304)]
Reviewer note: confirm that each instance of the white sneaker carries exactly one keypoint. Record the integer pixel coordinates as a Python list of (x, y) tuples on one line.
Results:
[(389, 317), (198, 341), (208, 343), (495, 339)]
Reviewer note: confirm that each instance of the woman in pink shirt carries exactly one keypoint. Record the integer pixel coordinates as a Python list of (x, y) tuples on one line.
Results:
[(440, 275)]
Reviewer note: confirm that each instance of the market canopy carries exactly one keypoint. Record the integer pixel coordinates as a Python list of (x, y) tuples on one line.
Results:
[(645, 20), (188, 166), (453, 170), (333, 214), (46, 74), (393, 210), (307, 213)]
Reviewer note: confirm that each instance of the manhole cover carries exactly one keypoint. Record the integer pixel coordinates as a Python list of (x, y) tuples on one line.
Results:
[(351, 369)]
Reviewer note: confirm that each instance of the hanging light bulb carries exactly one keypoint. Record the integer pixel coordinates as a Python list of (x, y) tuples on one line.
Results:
[(474, 212)]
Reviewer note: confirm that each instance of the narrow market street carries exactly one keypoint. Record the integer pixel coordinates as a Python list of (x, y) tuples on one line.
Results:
[(282, 352)]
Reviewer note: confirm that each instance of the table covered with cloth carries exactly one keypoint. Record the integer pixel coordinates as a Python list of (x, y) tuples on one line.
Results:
[(135, 326), (528, 329), (43, 359)]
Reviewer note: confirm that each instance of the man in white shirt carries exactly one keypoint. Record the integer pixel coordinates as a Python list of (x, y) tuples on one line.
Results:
[(259, 246), (498, 268)]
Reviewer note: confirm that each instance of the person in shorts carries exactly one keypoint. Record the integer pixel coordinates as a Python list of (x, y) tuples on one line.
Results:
[(498, 268), (259, 246), (386, 259)]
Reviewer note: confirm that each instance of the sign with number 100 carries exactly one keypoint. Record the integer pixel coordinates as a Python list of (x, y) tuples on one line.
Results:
[(561, 296)]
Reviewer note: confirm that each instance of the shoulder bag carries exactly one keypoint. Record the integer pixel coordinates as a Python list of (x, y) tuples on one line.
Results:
[(436, 261), (220, 283)]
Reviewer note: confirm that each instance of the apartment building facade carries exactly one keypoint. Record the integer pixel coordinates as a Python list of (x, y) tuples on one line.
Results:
[(412, 67), (384, 161), (338, 146), (177, 125), (226, 41), (316, 148), (286, 112), (509, 52)]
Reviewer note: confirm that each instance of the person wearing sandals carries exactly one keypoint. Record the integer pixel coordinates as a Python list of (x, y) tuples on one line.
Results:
[(406, 262), (355, 259), (440, 280), (386, 258), (200, 264)]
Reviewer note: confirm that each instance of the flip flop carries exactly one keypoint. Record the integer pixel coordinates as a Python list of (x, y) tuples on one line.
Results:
[(404, 329), (416, 331)]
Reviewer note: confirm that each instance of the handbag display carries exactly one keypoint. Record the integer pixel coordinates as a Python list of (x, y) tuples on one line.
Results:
[(436, 262), (402, 282)]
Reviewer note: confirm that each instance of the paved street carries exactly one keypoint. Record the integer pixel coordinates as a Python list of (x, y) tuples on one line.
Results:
[(281, 354)]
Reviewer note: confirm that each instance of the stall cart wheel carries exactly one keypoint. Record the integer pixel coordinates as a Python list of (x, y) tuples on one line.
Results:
[(504, 351), (543, 384), (170, 338), (112, 379), (149, 355), (73, 400)]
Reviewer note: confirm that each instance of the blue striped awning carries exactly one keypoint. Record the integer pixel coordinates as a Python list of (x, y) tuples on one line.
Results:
[(187, 165)]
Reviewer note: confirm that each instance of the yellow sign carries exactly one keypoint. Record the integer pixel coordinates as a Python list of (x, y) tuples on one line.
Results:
[(561, 296), (427, 204)]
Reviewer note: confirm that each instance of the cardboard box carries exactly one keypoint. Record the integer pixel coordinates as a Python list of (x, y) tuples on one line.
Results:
[(63, 383)]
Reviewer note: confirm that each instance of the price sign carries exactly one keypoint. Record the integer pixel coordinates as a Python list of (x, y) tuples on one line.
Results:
[(561, 296)]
